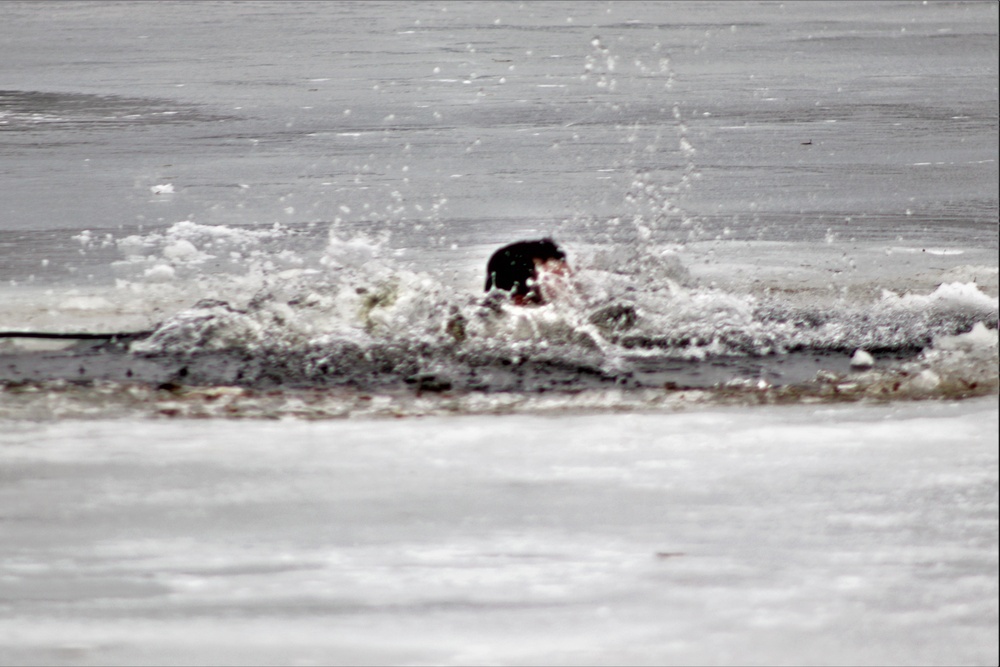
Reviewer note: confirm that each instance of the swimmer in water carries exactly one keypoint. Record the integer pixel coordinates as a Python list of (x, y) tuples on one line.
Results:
[(527, 270)]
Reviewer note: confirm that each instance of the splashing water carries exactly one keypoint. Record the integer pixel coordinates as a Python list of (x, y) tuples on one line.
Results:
[(309, 307), (354, 317)]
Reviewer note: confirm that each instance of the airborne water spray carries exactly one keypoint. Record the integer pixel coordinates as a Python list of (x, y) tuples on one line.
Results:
[(644, 230)]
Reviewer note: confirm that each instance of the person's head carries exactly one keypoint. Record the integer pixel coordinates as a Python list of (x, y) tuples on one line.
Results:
[(521, 268)]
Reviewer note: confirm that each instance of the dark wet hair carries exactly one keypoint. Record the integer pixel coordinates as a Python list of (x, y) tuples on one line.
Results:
[(512, 268)]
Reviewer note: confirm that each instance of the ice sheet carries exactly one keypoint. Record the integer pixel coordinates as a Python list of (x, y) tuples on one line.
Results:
[(796, 535)]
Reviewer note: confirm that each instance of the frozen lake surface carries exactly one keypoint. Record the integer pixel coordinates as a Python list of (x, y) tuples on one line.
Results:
[(758, 426), (791, 535)]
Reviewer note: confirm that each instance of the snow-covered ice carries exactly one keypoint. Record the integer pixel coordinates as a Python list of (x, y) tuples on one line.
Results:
[(792, 535)]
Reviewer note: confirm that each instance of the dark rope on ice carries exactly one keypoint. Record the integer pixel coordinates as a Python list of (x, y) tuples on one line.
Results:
[(54, 335)]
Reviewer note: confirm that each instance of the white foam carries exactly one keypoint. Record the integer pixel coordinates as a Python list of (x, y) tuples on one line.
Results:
[(978, 338), (182, 250), (159, 273), (946, 296)]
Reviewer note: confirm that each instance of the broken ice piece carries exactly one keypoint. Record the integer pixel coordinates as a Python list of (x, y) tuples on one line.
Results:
[(862, 359)]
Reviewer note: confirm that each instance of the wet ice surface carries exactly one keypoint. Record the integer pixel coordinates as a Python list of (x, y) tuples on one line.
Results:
[(295, 203), (793, 535)]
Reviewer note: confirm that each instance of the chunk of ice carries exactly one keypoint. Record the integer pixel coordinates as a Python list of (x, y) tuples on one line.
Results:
[(862, 359)]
